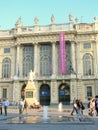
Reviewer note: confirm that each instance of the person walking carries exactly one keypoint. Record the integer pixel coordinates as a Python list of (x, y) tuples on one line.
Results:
[(1, 104), (26, 106), (21, 106), (96, 106), (74, 106), (6, 104), (80, 109)]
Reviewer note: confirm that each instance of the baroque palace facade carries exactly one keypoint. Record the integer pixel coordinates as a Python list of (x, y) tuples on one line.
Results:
[(37, 48)]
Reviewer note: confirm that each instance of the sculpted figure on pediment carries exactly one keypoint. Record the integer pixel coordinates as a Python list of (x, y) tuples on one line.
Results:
[(19, 22), (36, 20), (52, 19)]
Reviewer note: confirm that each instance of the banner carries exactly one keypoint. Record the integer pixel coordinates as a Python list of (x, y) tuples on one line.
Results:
[(62, 54)]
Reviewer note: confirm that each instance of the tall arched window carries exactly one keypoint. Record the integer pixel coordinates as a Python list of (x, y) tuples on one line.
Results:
[(6, 68), (88, 64), (28, 60), (45, 59)]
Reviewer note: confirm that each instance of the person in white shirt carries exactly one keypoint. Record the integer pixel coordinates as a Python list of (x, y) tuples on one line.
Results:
[(6, 104)]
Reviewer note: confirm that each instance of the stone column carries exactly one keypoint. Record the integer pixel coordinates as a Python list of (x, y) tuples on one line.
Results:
[(78, 61), (54, 63), (97, 57), (73, 90), (13, 64), (94, 66), (73, 55), (16, 91), (54, 92), (18, 59), (36, 59)]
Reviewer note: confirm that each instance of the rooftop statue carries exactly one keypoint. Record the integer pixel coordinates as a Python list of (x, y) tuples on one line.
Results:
[(52, 19), (19, 22), (36, 20), (70, 17)]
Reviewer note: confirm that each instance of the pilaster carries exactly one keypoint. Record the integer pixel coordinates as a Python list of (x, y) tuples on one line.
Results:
[(18, 60), (54, 65), (97, 57), (78, 61), (16, 91), (73, 59), (73, 90), (54, 92), (94, 66), (36, 59)]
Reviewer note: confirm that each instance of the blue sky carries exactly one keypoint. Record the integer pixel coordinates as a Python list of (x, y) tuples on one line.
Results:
[(11, 10)]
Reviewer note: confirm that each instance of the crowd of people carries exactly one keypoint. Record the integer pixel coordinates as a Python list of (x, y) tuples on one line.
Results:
[(78, 107)]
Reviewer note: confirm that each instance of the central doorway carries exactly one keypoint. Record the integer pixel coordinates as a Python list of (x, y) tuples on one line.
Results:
[(64, 94), (45, 94)]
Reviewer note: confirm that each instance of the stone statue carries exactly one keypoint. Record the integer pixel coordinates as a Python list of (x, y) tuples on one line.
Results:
[(19, 22), (52, 19), (76, 19), (70, 17), (31, 76), (36, 20)]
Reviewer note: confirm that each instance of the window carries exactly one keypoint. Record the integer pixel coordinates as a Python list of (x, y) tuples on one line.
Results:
[(6, 68), (89, 91), (45, 60), (88, 64), (28, 60), (4, 93), (86, 45), (6, 50)]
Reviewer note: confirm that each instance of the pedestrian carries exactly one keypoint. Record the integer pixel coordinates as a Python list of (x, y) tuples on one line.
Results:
[(21, 106), (96, 106), (80, 109), (92, 107), (6, 104), (26, 106), (74, 106), (1, 104)]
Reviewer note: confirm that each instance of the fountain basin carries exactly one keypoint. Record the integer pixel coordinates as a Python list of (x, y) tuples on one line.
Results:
[(39, 119)]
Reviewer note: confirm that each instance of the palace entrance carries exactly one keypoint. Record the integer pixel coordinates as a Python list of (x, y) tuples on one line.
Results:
[(64, 93), (44, 94)]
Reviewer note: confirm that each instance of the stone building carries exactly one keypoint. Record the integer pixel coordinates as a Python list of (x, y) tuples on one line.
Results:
[(37, 48)]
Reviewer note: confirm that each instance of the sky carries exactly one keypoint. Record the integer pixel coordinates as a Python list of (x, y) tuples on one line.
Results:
[(11, 10)]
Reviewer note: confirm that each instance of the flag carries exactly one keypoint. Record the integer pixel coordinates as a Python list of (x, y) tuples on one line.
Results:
[(62, 53)]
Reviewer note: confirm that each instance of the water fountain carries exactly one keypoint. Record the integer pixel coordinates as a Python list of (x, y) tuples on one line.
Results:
[(45, 112), (60, 107), (43, 116)]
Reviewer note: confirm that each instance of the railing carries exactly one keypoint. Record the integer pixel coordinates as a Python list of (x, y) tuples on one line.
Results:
[(48, 28)]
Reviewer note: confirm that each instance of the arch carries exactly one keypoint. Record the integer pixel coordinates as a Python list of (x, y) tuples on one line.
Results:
[(44, 94), (64, 93)]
